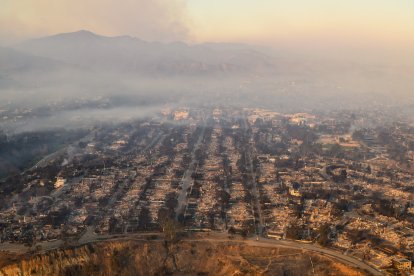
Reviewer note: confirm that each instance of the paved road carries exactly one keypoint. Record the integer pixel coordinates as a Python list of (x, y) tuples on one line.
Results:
[(254, 190), (90, 237), (263, 242), (348, 260), (311, 247), (187, 180)]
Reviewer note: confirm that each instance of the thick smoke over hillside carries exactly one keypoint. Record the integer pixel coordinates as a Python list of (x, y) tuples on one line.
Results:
[(82, 73)]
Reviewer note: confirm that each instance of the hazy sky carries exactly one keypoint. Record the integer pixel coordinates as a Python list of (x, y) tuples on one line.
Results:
[(388, 22), (273, 19)]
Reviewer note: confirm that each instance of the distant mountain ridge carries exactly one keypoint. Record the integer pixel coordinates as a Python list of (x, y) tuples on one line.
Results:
[(84, 64), (127, 54), (12, 60)]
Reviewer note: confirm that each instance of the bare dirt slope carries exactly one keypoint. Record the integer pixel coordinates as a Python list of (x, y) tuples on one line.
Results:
[(134, 257)]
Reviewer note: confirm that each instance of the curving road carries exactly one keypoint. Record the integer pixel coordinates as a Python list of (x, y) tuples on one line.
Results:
[(324, 251), (263, 242), (90, 237)]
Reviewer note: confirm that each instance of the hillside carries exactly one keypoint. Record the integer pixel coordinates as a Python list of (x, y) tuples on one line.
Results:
[(132, 55), (184, 258)]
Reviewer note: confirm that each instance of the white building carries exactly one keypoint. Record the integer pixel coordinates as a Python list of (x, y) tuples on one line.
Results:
[(60, 181)]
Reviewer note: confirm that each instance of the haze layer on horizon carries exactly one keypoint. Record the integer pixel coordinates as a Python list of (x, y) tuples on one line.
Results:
[(377, 27)]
